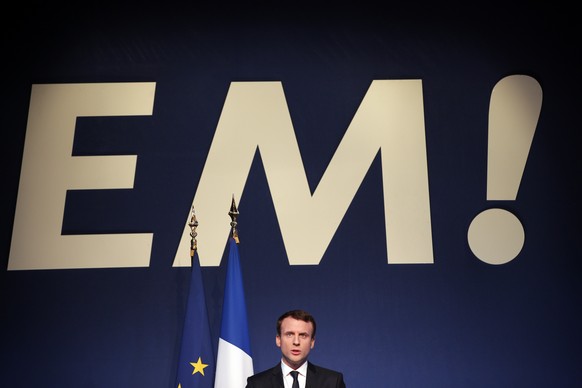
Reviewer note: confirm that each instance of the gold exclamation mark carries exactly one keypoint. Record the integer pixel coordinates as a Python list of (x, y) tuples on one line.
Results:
[(495, 235)]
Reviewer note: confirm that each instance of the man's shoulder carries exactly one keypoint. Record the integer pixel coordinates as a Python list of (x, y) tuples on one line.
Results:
[(320, 369), (325, 377), (267, 373)]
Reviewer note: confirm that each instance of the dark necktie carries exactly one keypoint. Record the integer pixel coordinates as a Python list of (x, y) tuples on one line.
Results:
[(294, 373)]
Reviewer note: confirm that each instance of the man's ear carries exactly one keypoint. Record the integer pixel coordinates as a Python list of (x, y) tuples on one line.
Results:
[(278, 341)]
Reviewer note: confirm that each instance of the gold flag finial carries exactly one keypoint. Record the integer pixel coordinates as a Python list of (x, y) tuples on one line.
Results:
[(193, 225), (233, 213)]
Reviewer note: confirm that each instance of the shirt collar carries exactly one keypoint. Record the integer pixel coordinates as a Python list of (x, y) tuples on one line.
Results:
[(286, 369)]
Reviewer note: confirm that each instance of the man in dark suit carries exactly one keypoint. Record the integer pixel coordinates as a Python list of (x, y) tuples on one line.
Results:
[(296, 338)]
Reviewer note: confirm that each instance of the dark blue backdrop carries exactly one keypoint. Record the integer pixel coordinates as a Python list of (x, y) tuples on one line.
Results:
[(456, 323)]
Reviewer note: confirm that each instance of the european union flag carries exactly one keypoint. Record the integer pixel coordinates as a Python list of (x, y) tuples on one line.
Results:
[(196, 363), (234, 362)]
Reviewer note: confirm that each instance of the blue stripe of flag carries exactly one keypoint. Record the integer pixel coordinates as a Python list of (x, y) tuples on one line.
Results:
[(234, 327)]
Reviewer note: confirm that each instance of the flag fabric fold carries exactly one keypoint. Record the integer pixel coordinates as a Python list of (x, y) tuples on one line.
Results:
[(234, 362), (196, 365)]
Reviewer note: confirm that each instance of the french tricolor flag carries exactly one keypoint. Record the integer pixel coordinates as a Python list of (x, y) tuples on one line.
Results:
[(234, 362)]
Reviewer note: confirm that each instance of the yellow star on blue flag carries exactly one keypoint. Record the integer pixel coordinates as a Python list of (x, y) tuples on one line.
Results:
[(198, 366)]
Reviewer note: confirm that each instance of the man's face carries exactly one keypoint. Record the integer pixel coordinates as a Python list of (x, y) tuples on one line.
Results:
[(296, 341)]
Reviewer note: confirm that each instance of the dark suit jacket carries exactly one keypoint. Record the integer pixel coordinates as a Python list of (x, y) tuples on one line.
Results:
[(317, 377)]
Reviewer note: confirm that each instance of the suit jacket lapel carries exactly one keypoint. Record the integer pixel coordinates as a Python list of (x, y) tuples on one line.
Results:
[(277, 377), (312, 377)]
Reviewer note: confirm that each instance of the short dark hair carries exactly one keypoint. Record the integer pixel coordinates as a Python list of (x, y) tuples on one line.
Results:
[(300, 315)]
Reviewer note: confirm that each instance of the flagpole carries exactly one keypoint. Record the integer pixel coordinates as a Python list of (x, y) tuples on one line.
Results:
[(193, 225), (233, 213)]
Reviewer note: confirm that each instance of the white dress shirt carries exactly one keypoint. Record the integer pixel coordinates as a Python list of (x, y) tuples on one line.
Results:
[(288, 379)]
